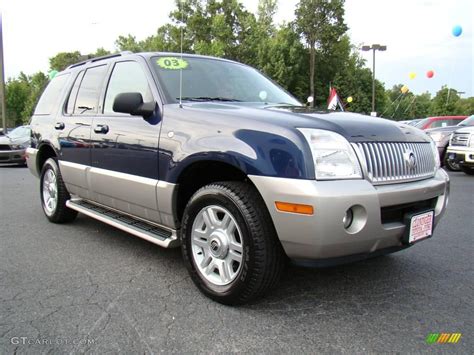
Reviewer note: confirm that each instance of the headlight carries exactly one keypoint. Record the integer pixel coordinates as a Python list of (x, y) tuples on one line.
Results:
[(436, 155), (333, 155), (17, 146)]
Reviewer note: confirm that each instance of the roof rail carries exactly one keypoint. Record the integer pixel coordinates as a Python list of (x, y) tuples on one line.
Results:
[(96, 59)]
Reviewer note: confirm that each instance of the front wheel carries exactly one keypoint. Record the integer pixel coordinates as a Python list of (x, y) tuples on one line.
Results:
[(54, 194), (451, 164), (229, 243), (467, 170)]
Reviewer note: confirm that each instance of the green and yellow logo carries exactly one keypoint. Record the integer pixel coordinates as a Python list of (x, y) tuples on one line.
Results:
[(443, 338)]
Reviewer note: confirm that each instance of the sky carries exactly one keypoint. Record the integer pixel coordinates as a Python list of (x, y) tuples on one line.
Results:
[(417, 34)]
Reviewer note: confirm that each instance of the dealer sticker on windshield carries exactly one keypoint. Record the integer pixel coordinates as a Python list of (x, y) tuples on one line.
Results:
[(172, 63), (421, 226)]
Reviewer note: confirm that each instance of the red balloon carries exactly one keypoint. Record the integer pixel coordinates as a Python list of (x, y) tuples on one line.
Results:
[(430, 74)]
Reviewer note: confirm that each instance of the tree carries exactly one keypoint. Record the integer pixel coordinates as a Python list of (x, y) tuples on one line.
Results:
[(465, 106), (64, 59), (17, 92), (445, 102), (37, 83), (321, 23)]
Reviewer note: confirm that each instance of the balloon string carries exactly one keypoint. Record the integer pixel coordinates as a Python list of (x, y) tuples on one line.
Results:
[(411, 103), (391, 104)]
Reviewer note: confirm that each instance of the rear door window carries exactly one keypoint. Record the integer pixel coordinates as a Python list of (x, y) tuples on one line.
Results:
[(89, 91), (71, 101), (48, 102)]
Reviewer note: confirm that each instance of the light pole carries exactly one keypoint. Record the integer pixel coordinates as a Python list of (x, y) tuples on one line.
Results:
[(374, 47), (2, 81)]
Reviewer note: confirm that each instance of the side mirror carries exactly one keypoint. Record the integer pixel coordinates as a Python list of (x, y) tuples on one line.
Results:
[(132, 103)]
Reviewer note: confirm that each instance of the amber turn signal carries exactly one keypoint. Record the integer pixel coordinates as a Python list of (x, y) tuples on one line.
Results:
[(294, 208)]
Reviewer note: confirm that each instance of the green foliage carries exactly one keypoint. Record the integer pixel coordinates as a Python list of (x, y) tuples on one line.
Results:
[(315, 45), (465, 106), (21, 95), (445, 102), (321, 24), (64, 59)]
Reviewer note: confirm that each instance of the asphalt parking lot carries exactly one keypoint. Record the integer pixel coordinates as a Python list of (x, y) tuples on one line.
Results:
[(87, 287)]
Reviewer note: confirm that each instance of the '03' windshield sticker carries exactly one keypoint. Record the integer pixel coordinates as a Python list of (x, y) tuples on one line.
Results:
[(172, 63)]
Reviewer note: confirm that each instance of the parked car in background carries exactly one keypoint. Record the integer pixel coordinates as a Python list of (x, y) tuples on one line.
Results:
[(412, 122), (440, 121), (461, 149), (441, 137), (13, 145)]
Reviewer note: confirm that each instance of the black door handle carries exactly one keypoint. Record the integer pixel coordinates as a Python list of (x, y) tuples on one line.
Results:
[(101, 129), (59, 126)]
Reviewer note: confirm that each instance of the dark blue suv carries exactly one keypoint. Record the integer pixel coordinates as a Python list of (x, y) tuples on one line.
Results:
[(210, 155)]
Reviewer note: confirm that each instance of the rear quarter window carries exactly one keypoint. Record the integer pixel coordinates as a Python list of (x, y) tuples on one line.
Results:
[(49, 100)]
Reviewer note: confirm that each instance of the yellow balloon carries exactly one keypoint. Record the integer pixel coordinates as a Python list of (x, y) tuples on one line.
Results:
[(404, 89), (349, 99), (412, 75)]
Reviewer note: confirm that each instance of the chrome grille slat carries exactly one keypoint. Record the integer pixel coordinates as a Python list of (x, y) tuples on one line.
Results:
[(385, 162), (460, 139)]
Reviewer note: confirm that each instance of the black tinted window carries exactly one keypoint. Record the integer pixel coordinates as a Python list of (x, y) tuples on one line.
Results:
[(89, 91), (126, 77), (51, 95), (71, 101)]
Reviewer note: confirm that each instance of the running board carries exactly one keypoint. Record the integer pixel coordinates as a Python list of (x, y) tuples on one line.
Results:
[(151, 232)]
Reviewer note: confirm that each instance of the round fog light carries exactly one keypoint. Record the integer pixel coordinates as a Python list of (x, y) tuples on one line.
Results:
[(347, 220)]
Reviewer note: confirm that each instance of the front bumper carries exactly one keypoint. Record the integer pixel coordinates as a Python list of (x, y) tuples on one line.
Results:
[(461, 155), (322, 235), (12, 156)]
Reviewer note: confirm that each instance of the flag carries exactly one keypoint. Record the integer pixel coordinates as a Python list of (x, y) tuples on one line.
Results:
[(333, 100)]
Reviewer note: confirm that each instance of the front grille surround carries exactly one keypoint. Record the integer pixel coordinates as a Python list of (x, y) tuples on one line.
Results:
[(460, 139), (385, 163)]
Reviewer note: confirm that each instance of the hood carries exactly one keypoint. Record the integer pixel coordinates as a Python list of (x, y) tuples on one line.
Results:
[(465, 130), (354, 127), (7, 140)]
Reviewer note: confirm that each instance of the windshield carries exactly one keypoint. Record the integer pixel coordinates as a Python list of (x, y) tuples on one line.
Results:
[(19, 132), (422, 122), (207, 79), (467, 122)]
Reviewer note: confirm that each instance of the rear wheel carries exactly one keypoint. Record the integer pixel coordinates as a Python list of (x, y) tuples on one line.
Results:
[(467, 170), (229, 243), (54, 194)]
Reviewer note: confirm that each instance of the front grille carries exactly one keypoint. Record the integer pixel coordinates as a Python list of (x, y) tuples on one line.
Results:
[(5, 147), (397, 213), (460, 139), (390, 162)]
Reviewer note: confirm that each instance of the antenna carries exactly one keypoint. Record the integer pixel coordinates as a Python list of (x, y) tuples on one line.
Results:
[(181, 51)]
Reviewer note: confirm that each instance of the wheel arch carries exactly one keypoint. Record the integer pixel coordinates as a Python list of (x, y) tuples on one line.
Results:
[(190, 180), (45, 151)]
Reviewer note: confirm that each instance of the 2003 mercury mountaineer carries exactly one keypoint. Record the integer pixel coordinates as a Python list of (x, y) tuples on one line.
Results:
[(211, 155)]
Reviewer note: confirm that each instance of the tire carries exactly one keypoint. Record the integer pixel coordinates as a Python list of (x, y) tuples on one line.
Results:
[(467, 170), (239, 206), (450, 165), (55, 208)]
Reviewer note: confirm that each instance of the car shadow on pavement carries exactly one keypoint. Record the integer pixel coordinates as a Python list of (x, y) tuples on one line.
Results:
[(371, 280)]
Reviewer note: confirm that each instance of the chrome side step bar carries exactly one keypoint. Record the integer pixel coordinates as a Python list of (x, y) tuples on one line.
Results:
[(153, 233)]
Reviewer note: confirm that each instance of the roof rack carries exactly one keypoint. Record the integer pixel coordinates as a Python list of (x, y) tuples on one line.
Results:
[(96, 59)]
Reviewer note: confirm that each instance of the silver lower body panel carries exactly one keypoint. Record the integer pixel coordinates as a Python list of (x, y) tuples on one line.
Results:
[(323, 235)]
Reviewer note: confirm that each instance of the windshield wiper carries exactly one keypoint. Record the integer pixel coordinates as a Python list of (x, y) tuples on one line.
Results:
[(206, 98)]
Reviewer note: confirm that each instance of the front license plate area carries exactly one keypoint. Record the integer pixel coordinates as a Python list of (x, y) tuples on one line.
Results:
[(419, 226)]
